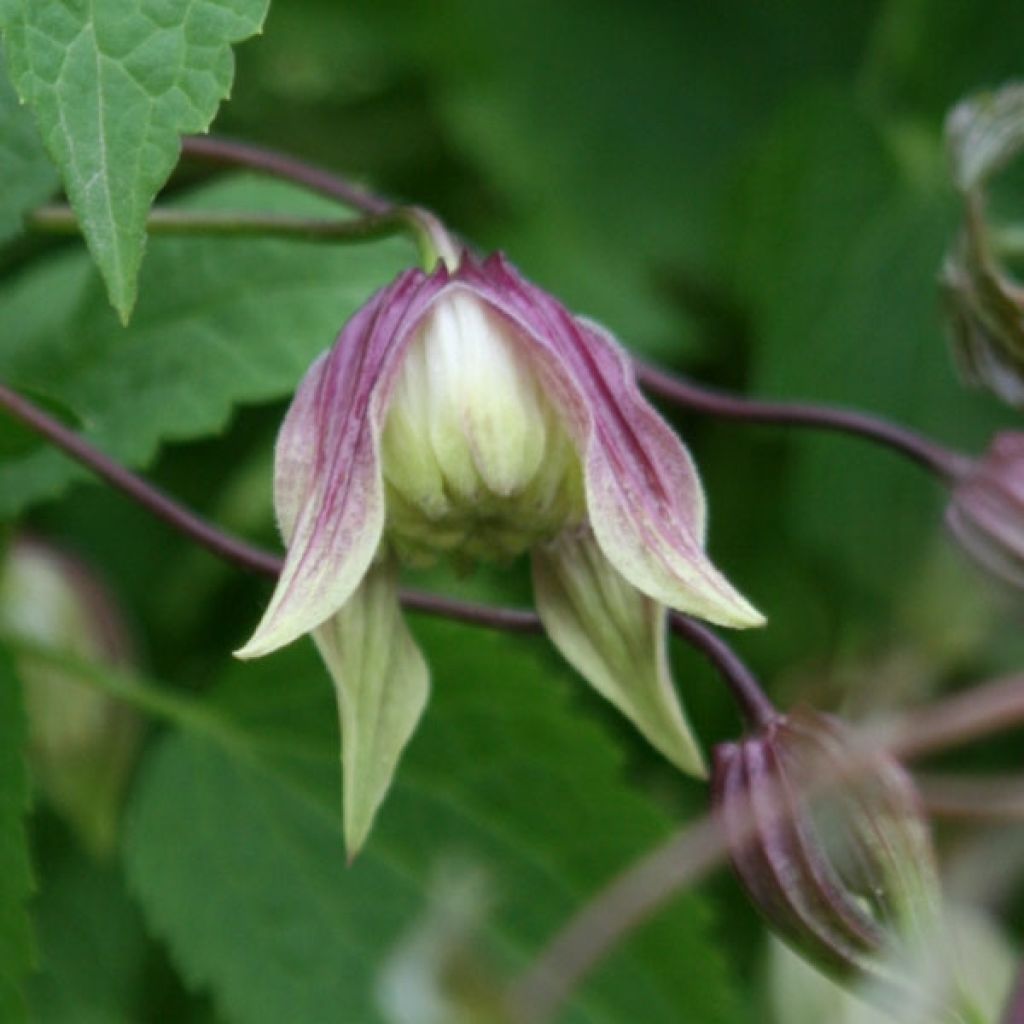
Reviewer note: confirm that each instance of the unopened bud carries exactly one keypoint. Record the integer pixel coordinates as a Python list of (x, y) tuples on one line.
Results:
[(82, 743), (986, 304), (986, 509), (829, 842)]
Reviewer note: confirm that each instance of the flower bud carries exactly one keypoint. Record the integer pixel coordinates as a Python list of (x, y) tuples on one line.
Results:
[(82, 743), (832, 848), (985, 303), (986, 510)]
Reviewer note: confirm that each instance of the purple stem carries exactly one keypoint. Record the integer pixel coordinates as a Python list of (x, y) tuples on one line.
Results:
[(754, 704), (757, 710), (228, 153), (943, 462)]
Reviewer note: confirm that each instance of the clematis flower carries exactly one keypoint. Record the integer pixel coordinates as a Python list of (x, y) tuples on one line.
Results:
[(465, 412), (986, 509)]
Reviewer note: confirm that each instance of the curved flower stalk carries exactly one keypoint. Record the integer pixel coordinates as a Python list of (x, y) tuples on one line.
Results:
[(986, 509), (466, 412)]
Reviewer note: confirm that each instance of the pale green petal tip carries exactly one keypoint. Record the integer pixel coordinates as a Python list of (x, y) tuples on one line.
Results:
[(686, 754), (614, 636), (382, 682), (736, 613)]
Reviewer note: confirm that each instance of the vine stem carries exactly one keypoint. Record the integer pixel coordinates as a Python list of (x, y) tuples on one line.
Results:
[(649, 883), (230, 153), (61, 220), (753, 702), (946, 464), (756, 707), (943, 462)]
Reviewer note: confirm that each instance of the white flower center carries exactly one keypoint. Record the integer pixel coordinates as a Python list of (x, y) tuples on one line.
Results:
[(476, 459)]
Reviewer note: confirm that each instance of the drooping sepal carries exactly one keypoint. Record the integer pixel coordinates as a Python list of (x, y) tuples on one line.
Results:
[(382, 683), (615, 637), (643, 495), (328, 481)]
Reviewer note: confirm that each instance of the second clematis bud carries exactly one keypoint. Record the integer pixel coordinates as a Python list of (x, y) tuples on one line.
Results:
[(832, 848), (986, 509), (465, 412)]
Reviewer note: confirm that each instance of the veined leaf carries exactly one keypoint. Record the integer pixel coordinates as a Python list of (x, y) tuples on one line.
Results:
[(501, 774), (27, 176), (15, 874), (113, 85), (220, 322)]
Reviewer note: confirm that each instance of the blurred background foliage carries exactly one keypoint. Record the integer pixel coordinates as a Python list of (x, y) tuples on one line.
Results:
[(753, 193)]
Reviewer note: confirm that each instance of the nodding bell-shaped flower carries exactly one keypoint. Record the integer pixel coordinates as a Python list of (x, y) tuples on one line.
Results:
[(833, 849), (466, 412), (986, 509)]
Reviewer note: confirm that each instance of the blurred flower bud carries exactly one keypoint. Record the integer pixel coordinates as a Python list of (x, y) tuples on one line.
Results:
[(435, 974), (82, 742), (986, 510), (986, 304), (976, 990), (832, 847)]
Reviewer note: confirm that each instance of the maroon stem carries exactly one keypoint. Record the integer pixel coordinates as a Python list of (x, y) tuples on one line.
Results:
[(943, 462), (228, 153), (148, 496), (755, 706), (753, 702)]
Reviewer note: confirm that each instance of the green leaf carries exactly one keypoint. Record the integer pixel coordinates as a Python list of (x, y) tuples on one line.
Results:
[(501, 773), (27, 177), (16, 952), (113, 85), (839, 250), (220, 322), (609, 130), (92, 947)]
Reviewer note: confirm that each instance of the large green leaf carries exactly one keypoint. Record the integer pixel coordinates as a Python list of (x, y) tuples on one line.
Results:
[(113, 85), (839, 246), (27, 176), (236, 852), (609, 129), (219, 322), (15, 873), (92, 947)]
